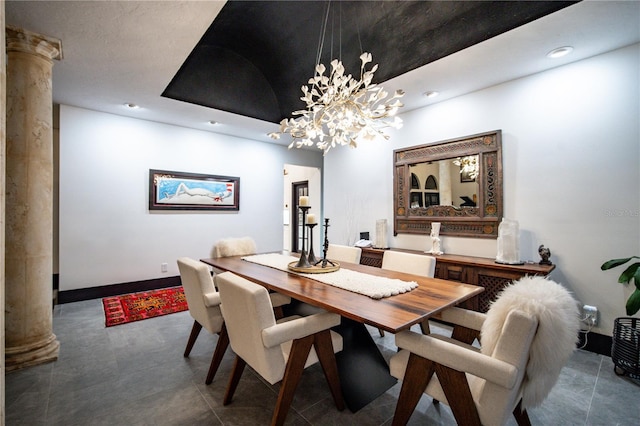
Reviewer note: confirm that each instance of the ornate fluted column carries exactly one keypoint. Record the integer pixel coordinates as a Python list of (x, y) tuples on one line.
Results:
[(29, 338)]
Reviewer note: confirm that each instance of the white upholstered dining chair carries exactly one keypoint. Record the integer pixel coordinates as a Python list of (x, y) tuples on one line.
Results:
[(344, 253), (245, 246), (204, 308), (527, 336), (410, 263), (241, 246), (277, 351)]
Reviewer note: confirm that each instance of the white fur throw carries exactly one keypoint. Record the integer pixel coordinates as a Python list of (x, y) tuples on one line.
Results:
[(234, 247), (556, 336)]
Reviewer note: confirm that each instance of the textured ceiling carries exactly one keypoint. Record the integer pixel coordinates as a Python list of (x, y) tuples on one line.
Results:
[(256, 55)]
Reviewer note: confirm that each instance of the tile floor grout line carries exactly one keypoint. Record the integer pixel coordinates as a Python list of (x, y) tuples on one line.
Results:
[(593, 391), (202, 395)]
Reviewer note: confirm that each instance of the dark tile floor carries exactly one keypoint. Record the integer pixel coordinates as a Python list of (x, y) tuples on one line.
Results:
[(135, 374)]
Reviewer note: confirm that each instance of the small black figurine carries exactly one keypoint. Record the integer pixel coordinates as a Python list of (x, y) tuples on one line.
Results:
[(545, 254)]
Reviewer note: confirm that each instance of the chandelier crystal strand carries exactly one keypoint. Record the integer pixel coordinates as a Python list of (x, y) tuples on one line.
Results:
[(341, 109)]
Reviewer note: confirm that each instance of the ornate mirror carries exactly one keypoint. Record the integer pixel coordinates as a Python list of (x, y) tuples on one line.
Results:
[(457, 183)]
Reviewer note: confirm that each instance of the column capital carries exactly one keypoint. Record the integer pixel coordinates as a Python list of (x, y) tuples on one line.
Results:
[(21, 40)]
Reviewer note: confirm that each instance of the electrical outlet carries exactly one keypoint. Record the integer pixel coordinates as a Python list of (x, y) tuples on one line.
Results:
[(163, 267), (590, 315)]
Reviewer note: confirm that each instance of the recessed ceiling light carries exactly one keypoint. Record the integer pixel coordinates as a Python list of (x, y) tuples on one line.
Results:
[(431, 94), (131, 105), (559, 52), (213, 122)]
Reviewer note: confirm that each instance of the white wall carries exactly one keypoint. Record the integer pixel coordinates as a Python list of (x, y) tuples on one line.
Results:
[(571, 156), (107, 233)]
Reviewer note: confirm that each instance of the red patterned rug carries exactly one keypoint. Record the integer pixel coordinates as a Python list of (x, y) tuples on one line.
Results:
[(147, 304)]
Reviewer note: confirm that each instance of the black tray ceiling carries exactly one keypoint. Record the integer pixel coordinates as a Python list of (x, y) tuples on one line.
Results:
[(256, 55)]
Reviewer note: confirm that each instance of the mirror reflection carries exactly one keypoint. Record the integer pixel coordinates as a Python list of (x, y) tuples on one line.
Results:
[(456, 183), (449, 182)]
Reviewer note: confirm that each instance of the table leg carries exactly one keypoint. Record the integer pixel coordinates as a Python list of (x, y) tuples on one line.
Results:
[(364, 373)]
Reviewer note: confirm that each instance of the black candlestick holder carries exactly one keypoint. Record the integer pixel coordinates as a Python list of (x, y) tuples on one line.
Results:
[(311, 257), (325, 248), (303, 262)]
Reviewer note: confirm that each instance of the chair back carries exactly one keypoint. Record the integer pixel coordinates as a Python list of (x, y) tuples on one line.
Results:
[(409, 263), (527, 336), (196, 282), (344, 253), (556, 312), (234, 247), (494, 402), (247, 310)]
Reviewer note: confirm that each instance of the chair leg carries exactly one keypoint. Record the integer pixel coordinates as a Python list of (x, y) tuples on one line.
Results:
[(295, 366), (456, 389), (218, 354), (416, 377), (238, 368), (278, 312), (381, 331), (521, 415), (424, 327), (324, 349), (464, 334), (195, 331)]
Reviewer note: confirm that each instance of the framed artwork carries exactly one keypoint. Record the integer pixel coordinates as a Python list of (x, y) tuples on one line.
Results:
[(170, 190)]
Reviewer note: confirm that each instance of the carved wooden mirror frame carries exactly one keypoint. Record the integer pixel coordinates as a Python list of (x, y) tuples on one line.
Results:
[(480, 221)]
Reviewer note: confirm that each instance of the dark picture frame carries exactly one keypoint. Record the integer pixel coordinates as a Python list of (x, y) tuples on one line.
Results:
[(171, 190)]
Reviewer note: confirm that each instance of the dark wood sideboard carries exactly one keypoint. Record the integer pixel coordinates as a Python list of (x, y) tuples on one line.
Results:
[(479, 271)]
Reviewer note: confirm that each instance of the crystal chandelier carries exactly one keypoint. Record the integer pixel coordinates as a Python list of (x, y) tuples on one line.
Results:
[(341, 110)]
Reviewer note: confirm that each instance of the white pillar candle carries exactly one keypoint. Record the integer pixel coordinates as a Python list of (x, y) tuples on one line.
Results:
[(311, 218), (303, 201)]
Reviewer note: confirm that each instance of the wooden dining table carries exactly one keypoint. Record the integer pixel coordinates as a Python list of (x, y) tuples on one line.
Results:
[(364, 373)]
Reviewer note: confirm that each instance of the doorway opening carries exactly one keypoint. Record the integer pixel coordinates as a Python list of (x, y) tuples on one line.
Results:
[(298, 189), (295, 175)]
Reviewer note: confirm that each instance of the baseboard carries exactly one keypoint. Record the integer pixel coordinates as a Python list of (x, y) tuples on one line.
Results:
[(78, 295), (597, 343)]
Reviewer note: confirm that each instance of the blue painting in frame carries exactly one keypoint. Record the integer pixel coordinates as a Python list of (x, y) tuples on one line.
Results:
[(169, 190)]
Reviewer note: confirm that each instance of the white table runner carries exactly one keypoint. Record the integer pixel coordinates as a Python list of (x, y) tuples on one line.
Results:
[(370, 285)]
